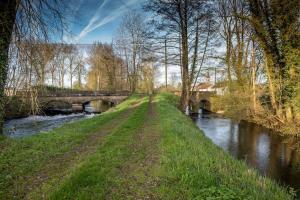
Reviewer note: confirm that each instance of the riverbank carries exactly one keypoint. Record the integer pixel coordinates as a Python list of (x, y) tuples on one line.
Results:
[(270, 122), (273, 123), (260, 117), (142, 149)]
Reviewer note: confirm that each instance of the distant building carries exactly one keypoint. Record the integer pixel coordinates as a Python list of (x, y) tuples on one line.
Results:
[(204, 87), (220, 88)]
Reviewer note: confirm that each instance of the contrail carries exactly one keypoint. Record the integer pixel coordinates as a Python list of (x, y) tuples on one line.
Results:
[(95, 22), (94, 19)]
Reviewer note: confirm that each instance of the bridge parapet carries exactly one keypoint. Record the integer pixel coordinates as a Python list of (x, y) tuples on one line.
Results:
[(73, 93)]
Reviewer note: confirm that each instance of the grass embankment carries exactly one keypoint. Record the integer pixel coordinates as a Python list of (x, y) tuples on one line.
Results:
[(26, 163), (194, 168), (154, 152)]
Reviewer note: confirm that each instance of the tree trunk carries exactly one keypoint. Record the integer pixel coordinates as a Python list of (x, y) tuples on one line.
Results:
[(253, 64), (185, 57), (79, 77), (195, 57), (271, 88), (8, 10), (228, 62), (52, 77), (62, 77)]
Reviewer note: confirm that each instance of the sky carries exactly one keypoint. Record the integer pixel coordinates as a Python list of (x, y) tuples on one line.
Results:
[(97, 20)]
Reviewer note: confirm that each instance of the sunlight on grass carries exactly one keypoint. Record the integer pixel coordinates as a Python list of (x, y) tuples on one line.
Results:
[(194, 168), (23, 156)]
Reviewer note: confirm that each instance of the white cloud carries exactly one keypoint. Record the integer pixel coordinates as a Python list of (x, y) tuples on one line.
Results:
[(98, 20)]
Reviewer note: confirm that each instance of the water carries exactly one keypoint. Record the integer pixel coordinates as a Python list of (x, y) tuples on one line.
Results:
[(272, 155), (35, 124), (97, 106)]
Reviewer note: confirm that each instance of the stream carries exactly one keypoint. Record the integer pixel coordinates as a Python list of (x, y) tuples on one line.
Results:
[(36, 124), (274, 156), (42, 123)]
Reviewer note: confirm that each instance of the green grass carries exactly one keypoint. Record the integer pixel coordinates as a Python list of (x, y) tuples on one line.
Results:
[(93, 178), (194, 168), (22, 157), (188, 165)]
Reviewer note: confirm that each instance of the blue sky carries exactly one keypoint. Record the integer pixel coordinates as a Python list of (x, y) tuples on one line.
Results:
[(98, 20)]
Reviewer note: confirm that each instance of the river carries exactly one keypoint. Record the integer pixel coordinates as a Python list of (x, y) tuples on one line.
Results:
[(36, 124), (42, 123), (275, 156)]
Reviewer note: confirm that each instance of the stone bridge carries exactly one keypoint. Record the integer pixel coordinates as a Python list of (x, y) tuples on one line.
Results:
[(78, 99), (199, 100)]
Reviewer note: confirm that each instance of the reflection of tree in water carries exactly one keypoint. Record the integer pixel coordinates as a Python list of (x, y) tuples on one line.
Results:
[(274, 164), (290, 161), (271, 154), (247, 142), (232, 142), (283, 160)]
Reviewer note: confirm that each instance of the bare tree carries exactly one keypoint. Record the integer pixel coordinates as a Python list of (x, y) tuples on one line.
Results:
[(79, 71), (148, 69), (132, 40), (24, 18), (184, 21), (105, 68), (71, 53)]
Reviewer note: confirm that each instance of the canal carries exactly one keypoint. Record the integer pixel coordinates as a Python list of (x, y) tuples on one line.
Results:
[(275, 156)]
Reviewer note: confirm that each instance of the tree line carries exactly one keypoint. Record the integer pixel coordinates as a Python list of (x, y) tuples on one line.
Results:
[(255, 43)]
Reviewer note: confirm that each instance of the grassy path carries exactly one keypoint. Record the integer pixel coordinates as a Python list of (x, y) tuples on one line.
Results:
[(55, 169), (137, 178), (144, 149), (96, 177)]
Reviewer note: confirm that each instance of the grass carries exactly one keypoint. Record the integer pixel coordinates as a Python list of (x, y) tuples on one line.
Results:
[(93, 178), (20, 158), (194, 168), (156, 152)]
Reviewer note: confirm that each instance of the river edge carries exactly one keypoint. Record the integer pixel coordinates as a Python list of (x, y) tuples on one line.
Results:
[(37, 124), (286, 130), (186, 167), (273, 155)]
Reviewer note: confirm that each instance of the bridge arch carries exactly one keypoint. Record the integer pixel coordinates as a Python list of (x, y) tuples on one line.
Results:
[(205, 105), (200, 100), (56, 107), (97, 105)]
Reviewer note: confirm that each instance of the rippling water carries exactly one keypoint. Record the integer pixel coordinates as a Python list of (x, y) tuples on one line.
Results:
[(272, 155), (36, 124)]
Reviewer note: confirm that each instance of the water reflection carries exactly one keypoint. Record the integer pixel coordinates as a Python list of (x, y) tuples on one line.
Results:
[(272, 155), (98, 106)]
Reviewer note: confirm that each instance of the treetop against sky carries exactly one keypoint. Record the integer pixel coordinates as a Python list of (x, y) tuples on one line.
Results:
[(97, 20)]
